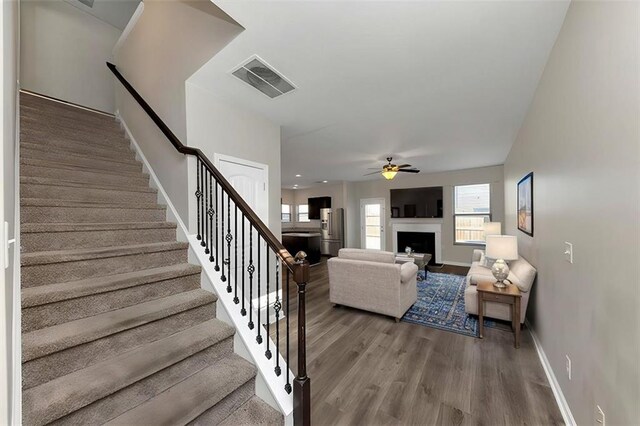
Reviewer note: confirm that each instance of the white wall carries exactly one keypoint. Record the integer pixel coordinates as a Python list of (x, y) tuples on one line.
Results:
[(63, 53), (217, 127), (380, 188), (581, 140), (170, 41), (9, 27)]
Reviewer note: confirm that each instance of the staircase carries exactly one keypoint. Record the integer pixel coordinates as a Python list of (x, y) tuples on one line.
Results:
[(115, 327)]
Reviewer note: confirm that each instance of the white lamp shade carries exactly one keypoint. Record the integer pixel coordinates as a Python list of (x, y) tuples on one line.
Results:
[(492, 228), (503, 247)]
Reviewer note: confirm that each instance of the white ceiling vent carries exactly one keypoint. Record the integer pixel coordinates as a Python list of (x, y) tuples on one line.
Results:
[(255, 72)]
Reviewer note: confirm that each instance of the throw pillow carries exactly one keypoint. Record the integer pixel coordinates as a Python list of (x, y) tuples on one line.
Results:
[(485, 262)]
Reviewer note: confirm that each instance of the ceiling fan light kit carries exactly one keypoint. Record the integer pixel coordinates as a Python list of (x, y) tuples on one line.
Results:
[(389, 171)]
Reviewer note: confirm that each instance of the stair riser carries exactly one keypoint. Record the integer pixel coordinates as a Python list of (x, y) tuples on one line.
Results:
[(87, 162), (83, 176), (93, 150), (105, 142), (225, 407), (53, 192), (30, 106), (44, 369), (36, 275), (45, 241), (134, 395), (57, 313), (48, 214)]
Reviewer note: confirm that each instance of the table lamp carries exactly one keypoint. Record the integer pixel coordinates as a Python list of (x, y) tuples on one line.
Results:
[(502, 248), (492, 228)]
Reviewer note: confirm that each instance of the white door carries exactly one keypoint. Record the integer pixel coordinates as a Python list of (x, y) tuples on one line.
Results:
[(250, 179), (372, 223)]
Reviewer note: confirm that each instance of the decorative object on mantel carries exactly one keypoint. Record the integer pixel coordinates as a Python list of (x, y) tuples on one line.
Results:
[(525, 204), (502, 248), (440, 305), (492, 228), (407, 250)]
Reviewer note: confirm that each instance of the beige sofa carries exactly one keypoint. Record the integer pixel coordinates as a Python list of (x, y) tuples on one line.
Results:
[(521, 274), (372, 281)]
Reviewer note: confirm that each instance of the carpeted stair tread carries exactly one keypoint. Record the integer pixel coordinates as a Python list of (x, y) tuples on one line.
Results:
[(254, 412), (46, 202), (26, 180), (78, 167), (88, 226), (51, 293), (188, 399), (56, 398), (70, 144), (56, 338), (120, 156), (59, 256), (82, 160), (38, 151)]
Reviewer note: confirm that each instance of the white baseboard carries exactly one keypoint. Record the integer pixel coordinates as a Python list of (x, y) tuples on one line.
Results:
[(553, 382)]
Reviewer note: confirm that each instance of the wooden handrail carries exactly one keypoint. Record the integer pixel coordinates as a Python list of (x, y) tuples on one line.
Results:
[(257, 223)]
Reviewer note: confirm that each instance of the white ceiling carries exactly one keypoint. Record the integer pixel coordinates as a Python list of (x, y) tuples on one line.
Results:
[(439, 85)]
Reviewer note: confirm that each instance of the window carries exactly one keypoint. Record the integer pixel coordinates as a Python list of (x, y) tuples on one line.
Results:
[(303, 213), (286, 213), (471, 209)]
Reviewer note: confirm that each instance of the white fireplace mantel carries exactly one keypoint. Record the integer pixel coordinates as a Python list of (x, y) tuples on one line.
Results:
[(435, 228)]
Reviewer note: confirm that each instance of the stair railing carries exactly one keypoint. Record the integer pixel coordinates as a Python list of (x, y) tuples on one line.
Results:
[(225, 223)]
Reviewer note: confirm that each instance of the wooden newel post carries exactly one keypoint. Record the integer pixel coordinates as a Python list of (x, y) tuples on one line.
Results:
[(301, 384)]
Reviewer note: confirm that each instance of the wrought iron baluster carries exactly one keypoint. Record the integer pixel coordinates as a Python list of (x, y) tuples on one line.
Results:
[(277, 305), (229, 238), (243, 311), (201, 211), (223, 278), (207, 200), (235, 242), (266, 318), (198, 195), (210, 213), (217, 267), (287, 386), (251, 269), (259, 336)]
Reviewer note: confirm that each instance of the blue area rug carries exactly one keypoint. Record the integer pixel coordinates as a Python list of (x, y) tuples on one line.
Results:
[(440, 305)]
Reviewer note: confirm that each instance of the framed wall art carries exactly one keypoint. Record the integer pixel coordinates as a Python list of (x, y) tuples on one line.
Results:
[(525, 204)]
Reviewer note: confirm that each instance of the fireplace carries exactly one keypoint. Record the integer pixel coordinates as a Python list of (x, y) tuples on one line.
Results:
[(420, 242), (423, 238)]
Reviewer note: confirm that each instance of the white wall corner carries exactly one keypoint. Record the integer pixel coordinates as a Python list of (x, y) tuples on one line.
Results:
[(127, 30), (553, 382), (172, 214)]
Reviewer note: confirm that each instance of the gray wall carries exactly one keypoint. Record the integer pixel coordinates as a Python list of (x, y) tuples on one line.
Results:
[(217, 127), (379, 188), (170, 41), (9, 73), (581, 140), (63, 53)]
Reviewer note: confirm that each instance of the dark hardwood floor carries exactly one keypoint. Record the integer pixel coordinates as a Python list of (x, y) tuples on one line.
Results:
[(367, 370)]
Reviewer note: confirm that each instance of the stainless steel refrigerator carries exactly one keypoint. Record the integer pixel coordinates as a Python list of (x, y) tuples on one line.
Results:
[(332, 228)]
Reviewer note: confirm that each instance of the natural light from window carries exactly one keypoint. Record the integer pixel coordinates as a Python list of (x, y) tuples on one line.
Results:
[(472, 208)]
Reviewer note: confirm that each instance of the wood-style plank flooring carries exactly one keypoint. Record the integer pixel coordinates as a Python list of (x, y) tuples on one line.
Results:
[(365, 369)]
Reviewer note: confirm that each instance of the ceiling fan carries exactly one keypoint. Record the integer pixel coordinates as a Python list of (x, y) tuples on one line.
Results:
[(389, 170)]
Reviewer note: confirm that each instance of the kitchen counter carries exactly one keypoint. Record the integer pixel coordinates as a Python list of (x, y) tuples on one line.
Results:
[(309, 242)]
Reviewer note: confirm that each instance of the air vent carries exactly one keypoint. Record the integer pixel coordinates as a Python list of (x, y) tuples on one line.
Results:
[(87, 2), (255, 72)]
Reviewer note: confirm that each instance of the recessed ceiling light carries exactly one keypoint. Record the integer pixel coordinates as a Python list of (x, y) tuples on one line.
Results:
[(325, 181), (298, 175)]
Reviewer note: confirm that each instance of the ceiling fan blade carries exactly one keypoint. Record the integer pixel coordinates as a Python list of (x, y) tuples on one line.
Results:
[(372, 173), (409, 170), (404, 166)]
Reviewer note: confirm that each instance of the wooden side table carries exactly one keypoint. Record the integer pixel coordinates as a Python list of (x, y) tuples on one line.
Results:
[(509, 295)]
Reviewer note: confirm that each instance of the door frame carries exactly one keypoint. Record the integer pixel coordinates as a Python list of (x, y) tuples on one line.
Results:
[(383, 221)]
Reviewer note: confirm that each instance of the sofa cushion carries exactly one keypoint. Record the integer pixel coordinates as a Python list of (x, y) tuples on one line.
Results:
[(408, 271), (367, 255), (524, 274)]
